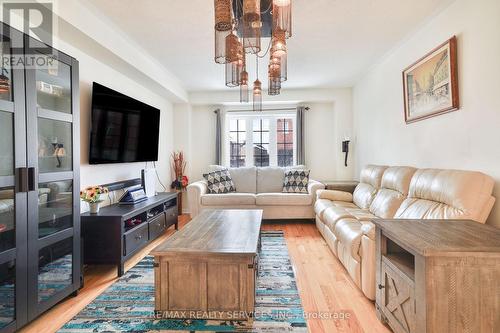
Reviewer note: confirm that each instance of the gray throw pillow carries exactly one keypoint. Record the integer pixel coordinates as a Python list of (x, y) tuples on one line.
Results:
[(296, 181), (219, 182)]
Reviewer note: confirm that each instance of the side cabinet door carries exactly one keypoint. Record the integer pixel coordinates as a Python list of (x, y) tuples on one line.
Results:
[(53, 158), (13, 182), (398, 301)]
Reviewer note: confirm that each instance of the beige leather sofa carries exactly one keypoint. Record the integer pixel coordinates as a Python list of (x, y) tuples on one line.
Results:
[(395, 192), (256, 188)]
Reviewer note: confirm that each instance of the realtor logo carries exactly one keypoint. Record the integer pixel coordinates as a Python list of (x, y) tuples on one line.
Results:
[(32, 18)]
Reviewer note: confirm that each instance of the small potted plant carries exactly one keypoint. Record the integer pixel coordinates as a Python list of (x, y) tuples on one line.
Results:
[(92, 195)]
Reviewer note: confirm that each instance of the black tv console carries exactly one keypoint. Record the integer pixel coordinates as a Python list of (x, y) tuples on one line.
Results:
[(117, 232)]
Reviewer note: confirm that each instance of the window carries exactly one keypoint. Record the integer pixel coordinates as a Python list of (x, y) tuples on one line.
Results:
[(237, 139), (260, 140), (285, 142)]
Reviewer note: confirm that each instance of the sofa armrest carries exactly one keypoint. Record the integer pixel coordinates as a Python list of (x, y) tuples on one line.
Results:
[(194, 193), (368, 229), (313, 187), (334, 195), (342, 185)]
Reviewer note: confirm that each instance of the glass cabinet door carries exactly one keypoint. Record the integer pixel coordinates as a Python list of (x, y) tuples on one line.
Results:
[(53, 154), (13, 201)]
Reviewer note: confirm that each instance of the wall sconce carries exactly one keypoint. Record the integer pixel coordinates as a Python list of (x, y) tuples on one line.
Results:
[(345, 149)]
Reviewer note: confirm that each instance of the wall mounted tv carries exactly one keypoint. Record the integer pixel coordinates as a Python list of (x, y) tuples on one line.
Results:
[(123, 129)]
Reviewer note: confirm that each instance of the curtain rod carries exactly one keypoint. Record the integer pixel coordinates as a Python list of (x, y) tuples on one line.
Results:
[(263, 110)]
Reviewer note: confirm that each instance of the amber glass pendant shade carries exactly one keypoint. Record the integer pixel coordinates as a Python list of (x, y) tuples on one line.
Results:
[(244, 87), (278, 43), (223, 26), (232, 47), (282, 16), (274, 71), (236, 60), (283, 72), (257, 95)]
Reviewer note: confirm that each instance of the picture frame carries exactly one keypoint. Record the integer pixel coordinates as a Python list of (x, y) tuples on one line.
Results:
[(430, 84)]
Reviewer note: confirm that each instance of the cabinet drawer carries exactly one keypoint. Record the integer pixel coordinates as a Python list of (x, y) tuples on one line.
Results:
[(398, 298), (135, 239), (171, 216), (156, 226)]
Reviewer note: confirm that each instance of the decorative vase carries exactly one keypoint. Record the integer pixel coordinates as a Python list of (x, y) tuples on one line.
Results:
[(94, 207)]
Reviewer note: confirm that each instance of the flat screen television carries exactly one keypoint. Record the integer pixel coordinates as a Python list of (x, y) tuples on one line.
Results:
[(123, 129)]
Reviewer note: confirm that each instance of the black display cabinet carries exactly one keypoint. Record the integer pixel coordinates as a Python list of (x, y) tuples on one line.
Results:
[(40, 247)]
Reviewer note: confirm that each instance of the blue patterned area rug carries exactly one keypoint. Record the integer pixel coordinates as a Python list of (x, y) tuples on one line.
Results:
[(128, 304)]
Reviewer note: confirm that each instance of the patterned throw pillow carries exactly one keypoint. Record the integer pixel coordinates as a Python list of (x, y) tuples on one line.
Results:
[(296, 181), (219, 182)]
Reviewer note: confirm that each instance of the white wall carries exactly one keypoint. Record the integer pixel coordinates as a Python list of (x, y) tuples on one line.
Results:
[(94, 70), (195, 136), (466, 139), (117, 66)]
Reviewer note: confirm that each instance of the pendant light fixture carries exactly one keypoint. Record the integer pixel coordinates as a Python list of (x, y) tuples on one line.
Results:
[(282, 16), (274, 72), (223, 25), (279, 66), (257, 95), (251, 26), (234, 65), (244, 87), (257, 89), (238, 31)]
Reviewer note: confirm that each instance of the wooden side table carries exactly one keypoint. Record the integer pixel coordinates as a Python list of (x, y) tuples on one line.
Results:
[(438, 276)]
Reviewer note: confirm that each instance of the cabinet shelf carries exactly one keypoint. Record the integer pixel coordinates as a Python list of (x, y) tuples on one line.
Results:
[(402, 261)]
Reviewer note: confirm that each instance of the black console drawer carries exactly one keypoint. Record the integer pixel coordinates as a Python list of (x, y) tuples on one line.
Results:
[(156, 226), (135, 239), (171, 216)]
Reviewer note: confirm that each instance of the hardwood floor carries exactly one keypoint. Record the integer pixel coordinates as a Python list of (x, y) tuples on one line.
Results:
[(324, 285)]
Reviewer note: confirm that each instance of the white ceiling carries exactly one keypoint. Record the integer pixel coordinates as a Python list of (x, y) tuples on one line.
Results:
[(334, 41)]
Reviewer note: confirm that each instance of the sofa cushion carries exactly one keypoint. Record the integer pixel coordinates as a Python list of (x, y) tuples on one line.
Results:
[(228, 199), (393, 190), (349, 232), (270, 179), (320, 205), (448, 194), (333, 214), (370, 179), (296, 181), (283, 199), (344, 204), (244, 178), (219, 182), (361, 214), (334, 195)]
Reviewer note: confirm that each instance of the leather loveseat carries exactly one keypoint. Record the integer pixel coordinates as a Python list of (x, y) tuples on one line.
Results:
[(256, 188), (395, 192)]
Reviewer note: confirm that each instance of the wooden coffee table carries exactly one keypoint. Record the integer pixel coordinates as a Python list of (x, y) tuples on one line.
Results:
[(208, 269)]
